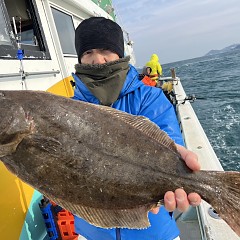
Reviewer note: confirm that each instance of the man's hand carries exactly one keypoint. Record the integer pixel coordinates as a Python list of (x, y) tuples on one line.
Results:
[(179, 199)]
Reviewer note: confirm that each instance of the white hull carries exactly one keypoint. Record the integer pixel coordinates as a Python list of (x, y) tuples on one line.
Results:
[(197, 223)]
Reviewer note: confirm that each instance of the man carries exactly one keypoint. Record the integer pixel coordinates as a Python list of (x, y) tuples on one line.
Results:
[(145, 77), (104, 76), (155, 66)]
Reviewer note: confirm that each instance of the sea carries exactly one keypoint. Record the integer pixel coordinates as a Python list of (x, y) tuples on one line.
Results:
[(215, 82)]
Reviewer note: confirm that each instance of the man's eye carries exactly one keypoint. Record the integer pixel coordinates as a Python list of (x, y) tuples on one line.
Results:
[(87, 52)]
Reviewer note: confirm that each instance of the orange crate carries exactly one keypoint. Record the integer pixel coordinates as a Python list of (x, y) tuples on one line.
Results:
[(65, 215), (53, 203), (67, 230)]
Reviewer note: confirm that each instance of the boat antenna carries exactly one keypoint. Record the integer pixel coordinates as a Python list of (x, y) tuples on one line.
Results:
[(20, 52)]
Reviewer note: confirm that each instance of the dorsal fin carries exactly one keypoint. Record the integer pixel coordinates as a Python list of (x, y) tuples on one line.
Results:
[(144, 125)]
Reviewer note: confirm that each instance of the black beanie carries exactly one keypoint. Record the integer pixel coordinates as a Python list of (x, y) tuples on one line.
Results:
[(97, 33)]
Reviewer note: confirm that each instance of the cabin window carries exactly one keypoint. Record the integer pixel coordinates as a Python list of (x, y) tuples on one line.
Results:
[(22, 29), (66, 31), (4, 37)]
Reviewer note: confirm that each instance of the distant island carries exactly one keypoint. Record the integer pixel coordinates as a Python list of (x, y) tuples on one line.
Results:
[(226, 49)]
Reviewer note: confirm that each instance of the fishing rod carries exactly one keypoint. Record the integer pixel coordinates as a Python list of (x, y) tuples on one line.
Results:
[(169, 79), (171, 95), (20, 52), (190, 98)]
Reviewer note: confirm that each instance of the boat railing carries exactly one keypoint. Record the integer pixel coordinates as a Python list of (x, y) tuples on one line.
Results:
[(19, 74)]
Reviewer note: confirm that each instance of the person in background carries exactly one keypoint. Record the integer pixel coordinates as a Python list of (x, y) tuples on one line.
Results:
[(145, 77), (104, 76), (155, 66), (167, 88)]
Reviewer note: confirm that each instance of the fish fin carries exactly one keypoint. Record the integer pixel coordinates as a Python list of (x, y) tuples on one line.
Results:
[(135, 218), (227, 201), (144, 125)]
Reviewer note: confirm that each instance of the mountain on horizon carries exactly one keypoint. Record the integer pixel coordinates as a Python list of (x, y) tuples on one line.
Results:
[(226, 49)]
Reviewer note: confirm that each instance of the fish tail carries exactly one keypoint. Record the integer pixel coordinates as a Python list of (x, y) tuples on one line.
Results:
[(227, 199)]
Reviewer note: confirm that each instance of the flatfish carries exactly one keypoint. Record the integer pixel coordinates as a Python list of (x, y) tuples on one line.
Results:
[(104, 165)]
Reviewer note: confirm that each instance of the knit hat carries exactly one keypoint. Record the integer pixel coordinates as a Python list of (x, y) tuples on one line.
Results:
[(97, 33)]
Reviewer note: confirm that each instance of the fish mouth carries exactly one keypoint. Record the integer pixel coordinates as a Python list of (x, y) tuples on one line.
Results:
[(9, 139), (8, 145), (14, 129)]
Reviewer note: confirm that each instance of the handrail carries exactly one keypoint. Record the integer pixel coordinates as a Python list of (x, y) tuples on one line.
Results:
[(28, 73)]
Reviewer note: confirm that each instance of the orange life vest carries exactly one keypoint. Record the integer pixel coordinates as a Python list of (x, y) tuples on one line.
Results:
[(148, 81)]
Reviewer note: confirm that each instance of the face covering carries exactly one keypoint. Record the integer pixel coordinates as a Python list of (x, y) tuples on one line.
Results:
[(104, 81)]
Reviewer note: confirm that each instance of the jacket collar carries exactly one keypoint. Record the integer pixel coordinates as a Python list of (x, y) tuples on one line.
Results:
[(132, 82)]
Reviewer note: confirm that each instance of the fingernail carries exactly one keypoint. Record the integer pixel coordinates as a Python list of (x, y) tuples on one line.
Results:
[(180, 198), (195, 202), (170, 199)]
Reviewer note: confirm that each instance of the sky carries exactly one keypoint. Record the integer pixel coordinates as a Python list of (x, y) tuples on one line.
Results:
[(178, 29)]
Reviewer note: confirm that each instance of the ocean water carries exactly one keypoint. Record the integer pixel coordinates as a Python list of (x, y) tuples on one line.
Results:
[(215, 80)]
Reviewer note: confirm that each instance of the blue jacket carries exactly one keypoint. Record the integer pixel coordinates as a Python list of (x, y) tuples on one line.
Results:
[(137, 99)]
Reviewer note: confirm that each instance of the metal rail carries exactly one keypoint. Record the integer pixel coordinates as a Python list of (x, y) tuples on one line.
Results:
[(29, 74)]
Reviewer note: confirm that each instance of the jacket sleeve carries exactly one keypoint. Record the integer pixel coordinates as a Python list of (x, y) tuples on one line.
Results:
[(159, 110)]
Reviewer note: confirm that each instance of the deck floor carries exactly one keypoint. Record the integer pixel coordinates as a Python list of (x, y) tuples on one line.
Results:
[(188, 225)]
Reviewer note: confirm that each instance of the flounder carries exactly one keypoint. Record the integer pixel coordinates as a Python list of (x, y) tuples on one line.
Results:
[(104, 165)]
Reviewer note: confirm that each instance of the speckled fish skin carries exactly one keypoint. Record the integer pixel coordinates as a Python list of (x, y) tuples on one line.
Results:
[(104, 165)]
